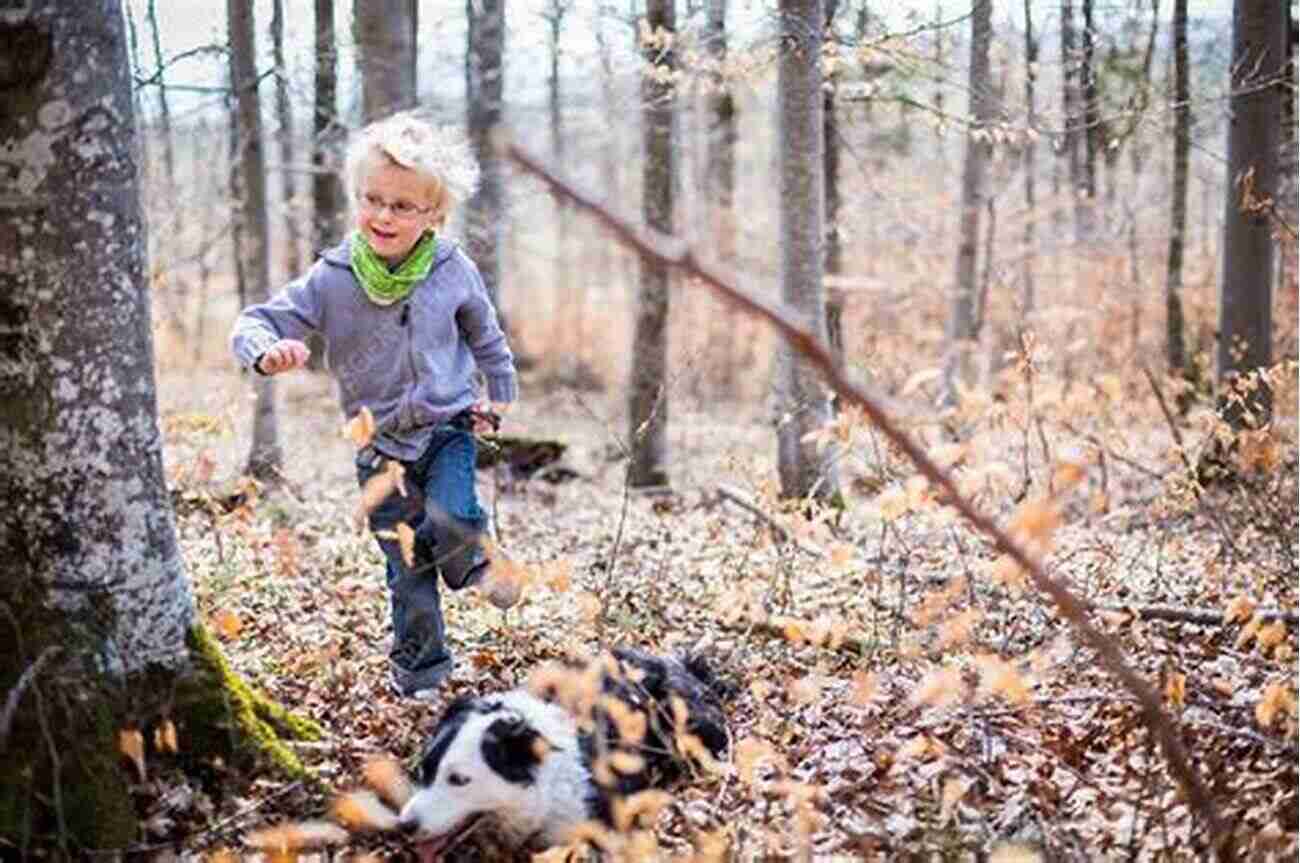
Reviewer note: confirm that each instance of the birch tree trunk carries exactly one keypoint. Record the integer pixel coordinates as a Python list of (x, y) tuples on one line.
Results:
[(92, 578), (806, 469), (648, 387), (1245, 287), (1092, 131), (962, 330), (485, 217), (1175, 344), (264, 458), (385, 33)]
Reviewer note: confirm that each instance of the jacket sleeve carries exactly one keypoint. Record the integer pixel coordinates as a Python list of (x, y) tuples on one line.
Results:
[(482, 331), (293, 313)]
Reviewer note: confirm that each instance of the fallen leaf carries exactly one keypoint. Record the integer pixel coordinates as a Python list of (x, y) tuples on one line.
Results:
[(130, 742)]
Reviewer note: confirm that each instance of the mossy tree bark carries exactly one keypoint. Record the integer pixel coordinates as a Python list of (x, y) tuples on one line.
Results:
[(97, 624)]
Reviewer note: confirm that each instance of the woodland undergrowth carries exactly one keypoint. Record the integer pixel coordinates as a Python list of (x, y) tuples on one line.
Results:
[(903, 694)]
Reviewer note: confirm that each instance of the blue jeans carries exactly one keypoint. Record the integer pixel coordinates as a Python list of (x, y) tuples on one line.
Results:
[(441, 506)]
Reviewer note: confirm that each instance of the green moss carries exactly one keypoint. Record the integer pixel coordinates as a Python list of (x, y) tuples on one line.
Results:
[(221, 715)]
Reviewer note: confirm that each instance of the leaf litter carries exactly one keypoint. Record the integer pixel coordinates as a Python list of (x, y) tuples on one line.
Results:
[(900, 692)]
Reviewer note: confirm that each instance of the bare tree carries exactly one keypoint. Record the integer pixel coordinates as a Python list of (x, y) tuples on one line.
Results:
[(385, 31), (648, 390), (326, 192), (1092, 126), (164, 104), (720, 177), (570, 290), (284, 114), (1175, 346), (834, 262), (485, 216), (962, 319), (1245, 289), (1030, 156), (264, 458), (805, 467), (1070, 132)]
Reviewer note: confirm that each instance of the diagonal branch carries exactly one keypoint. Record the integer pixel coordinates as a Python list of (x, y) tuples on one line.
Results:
[(672, 251)]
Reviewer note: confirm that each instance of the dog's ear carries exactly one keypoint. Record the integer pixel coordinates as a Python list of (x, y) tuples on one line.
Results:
[(513, 748)]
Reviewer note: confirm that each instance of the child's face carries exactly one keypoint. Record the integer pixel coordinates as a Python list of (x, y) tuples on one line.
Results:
[(394, 208)]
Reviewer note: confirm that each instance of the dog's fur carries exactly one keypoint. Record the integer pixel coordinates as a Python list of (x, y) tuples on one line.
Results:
[(534, 766)]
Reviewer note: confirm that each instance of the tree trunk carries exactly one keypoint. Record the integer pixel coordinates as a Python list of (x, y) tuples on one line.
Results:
[(264, 459), (805, 466), (485, 218), (962, 331), (1175, 340), (1245, 290), (385, 33), (720, 182), (327, 196), (569, 287), (96, 615), (1030, 156), (648, 388), (1092, 126), (164, 105), (1070, 122), (831, 183), (284, 114)]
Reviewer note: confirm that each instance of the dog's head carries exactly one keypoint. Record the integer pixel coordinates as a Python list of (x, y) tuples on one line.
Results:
[(482, 759)]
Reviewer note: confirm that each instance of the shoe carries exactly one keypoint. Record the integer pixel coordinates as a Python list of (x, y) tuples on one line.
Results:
[(424, 685)]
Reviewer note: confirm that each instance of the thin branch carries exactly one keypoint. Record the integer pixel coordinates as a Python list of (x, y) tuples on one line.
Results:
[(728, 493), (672, 251), (16, 694)]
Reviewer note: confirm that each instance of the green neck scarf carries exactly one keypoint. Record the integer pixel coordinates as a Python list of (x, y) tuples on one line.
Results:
[(384, 286)]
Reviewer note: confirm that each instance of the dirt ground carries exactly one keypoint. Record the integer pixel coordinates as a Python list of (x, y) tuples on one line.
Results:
[(901, 693)]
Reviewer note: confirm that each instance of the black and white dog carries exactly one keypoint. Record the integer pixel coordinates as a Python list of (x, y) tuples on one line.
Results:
[(537, 762)]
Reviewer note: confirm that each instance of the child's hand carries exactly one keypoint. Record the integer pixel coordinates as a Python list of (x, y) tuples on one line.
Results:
[(487, 416), (283, 356)]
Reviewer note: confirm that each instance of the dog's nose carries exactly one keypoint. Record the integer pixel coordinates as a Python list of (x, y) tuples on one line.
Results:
[(408, 825)]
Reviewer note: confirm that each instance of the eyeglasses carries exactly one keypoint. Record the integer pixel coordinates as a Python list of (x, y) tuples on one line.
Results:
[(400, 209)]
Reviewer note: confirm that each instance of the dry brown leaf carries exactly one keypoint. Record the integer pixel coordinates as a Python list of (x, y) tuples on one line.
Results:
[(999, 677), (130, 742), (805, 690), (1277, 700), (1240, 609), (1036, 520), (388, 779), (303, 835), (406, 543), (164, 737), (1176, 689), (362, 810), (227, 624), (940, 688), (864, 688), (1068, 474), (360, 429), (1014, 852)]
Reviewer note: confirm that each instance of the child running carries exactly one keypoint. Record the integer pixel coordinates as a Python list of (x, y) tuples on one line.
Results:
[(406, 322)]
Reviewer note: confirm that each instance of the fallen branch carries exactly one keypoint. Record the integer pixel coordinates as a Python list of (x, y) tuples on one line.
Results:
[(1202, 616), (672, 251), (728, 493)]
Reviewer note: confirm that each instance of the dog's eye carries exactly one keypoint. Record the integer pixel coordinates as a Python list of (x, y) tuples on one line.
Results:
[(457, 779)]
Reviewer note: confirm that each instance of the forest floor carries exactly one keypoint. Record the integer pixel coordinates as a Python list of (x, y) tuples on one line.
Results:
[(902, 694)]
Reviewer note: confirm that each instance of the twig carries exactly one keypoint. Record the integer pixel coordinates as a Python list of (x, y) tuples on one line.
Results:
[(728, 493), (1203, 616), (16, 694), (673, 251)]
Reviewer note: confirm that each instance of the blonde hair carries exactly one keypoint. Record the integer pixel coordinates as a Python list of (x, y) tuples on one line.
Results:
[(436, 153)]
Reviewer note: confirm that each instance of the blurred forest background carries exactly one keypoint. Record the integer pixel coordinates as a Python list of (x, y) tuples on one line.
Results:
[(1078, 114)]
